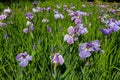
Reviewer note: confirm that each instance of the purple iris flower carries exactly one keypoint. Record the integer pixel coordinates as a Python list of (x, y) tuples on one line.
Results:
[(58, 59), (29, 16), (83, 51), (23, 58), (86, 48)]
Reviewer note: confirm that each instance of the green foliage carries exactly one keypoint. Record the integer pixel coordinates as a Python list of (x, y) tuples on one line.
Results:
[(97, 67)]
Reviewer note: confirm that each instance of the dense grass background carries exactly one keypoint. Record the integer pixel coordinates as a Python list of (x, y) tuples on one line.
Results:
[(101, 66)]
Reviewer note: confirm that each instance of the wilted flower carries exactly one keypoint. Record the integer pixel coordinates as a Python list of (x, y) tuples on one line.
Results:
[(23, 58), (58, 59), (86, 48)]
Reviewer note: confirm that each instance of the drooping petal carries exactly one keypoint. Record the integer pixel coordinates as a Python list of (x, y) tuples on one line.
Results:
[(19, 57), (96, 43), (84, 54), (82, 46), (61, 60), (114, 27), (28, 57), (23, 63)]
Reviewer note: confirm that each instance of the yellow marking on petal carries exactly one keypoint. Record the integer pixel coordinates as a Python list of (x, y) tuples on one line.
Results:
[(86, 49)]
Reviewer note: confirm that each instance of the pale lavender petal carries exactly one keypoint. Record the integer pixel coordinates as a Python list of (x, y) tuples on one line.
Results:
[(96, 43), (23, 63), (29, 58), (25, 30), (66, 37), (82, 46), (71, 30), (19, 57), (61, 60), (61, 16), (84, 54), (57, 16)]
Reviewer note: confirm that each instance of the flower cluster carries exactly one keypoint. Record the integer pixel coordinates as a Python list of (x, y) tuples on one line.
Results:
[(74, 32), (58, 15), (37, 9), (4, 16), (86, 48), (112, 26), (29, 23)]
